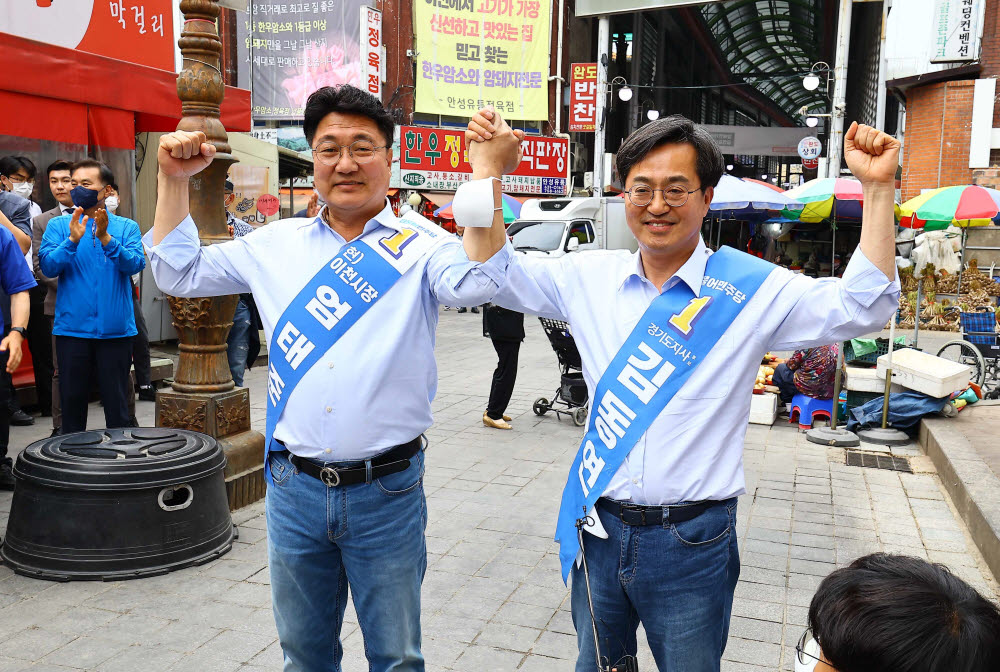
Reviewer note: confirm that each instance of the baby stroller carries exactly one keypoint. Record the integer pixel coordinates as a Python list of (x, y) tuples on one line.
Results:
[(572, 391)]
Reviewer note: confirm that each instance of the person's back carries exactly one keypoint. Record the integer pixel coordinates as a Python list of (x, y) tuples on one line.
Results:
[(894, 613)]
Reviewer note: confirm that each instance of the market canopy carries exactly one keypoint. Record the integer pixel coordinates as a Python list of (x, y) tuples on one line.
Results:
[(962, 205)]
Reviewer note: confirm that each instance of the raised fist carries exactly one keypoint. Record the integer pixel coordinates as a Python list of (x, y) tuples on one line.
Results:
[(182, 154), (873, 156)]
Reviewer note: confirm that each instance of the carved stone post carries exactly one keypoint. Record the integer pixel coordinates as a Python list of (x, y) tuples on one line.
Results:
[(204, 397)]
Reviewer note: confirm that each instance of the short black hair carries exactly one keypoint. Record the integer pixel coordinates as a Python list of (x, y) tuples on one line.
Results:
[(895, 612), (670, 130), (107, 177), (11, 164), (346, 99), (113, 186), (59, 164)]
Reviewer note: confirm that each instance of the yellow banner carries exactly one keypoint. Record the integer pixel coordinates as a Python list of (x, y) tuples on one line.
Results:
[(473, 53)]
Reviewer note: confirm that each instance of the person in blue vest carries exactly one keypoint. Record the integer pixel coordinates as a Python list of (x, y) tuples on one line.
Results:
[(93, 254), (349, 300), (671, 338)]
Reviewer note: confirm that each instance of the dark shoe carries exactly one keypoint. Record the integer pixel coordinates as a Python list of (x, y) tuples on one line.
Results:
[(475, 309), (21, 419), (6, 476), (55, 432), (147, 393), (463, 310)]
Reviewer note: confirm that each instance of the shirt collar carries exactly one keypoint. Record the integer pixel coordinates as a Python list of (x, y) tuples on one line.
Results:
[(691, 272), (384, 218)]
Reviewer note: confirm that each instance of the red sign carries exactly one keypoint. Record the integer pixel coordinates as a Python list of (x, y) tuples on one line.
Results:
[(136, 31), (436, 159), (583, 97), (811, 164)]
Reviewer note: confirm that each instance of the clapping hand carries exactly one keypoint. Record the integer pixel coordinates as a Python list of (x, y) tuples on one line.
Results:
[(101, 226), (493, 145), (872, 155), (77, 225)]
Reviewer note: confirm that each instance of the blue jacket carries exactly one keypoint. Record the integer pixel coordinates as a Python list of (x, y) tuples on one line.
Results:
[(95, 296)]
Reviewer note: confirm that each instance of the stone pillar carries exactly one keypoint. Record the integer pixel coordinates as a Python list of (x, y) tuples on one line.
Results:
[(204, 397)]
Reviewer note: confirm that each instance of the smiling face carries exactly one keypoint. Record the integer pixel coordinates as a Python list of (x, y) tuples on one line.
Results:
[(664, 231), (352, 189)]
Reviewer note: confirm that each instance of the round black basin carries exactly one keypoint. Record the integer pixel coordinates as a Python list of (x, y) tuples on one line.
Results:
[(118, 504)]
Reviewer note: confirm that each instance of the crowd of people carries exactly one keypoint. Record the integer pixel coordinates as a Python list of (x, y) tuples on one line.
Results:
[(657, 330)]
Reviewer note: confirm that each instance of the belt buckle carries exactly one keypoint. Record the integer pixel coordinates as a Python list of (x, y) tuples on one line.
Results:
[(634, 508), (330, 477)]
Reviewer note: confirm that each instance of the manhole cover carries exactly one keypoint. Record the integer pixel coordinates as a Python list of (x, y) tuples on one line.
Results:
[(860, 458)]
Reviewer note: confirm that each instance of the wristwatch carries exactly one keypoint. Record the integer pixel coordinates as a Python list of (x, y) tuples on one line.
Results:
[(20, 330)]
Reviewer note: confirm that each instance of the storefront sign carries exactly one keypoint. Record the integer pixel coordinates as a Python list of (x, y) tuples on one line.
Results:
[(266, 134), (371, 51), (757, 140), (473, 53), (810, 148), (583, 97), (136, 31), (955, 30), (298, 47), (811, 164), (435, 159)]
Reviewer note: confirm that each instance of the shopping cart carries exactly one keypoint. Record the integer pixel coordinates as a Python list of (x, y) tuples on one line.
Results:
[(979, 349), (572, 392)]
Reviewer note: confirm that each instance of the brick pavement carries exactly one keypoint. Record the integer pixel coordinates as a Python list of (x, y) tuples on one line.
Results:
[(493, 599)]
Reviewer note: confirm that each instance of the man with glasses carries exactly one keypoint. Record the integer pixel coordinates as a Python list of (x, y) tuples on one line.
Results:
[(349, 393), (671, 338)]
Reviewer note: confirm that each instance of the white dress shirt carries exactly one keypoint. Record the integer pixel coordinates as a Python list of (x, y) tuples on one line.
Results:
[(373, 388), (694, 449)]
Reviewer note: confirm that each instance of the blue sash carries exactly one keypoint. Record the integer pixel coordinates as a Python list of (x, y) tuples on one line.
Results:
[(339, 295), (671, 338)]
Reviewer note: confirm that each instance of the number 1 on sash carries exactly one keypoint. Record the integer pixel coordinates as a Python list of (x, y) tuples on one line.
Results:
[(394, 244), (683, 322)]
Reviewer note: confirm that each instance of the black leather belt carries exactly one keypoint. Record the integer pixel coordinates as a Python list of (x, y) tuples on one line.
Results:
[(391, 461), (638, 515)]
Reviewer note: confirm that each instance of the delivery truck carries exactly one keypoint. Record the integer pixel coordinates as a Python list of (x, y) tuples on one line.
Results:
[(552, 227)]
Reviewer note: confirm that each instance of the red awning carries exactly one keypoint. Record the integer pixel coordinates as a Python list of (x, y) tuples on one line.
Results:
[(74, 96), (439, 198)]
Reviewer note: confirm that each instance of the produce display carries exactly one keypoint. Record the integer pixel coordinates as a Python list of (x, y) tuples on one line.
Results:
[(764, 375)]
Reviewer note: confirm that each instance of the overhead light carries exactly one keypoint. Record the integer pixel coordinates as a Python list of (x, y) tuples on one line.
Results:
[(414, 199), (810, 82), (764, 176), (625, 94), (729, 167), (653, 115), (812, 121)]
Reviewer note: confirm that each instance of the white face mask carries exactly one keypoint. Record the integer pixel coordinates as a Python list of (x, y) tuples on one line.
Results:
[(111, 204), (23, 189)]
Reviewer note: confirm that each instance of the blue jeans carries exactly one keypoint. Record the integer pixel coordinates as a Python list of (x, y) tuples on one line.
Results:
[(677, 580), (239, 342), (369, 537)]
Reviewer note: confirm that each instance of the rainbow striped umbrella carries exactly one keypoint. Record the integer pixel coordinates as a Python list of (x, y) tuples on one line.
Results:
[(963, 205), (824, 199), (511, 209)]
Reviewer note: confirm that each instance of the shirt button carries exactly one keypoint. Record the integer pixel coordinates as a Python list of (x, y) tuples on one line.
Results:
[(635, 481), (331, 365), (329, 409)]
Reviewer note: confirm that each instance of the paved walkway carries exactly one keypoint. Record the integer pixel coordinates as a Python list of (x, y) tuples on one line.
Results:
[(493, 599)]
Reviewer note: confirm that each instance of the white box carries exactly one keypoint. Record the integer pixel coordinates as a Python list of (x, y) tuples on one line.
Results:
[(763, 408), (870, 380), (930, 375)]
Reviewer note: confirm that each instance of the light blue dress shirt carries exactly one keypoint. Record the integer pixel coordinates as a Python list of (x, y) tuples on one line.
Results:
[(694, 449), (373, 388)]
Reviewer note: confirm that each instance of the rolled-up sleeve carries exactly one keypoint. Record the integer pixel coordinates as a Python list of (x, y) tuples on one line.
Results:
[(456, 281), (181, 266), (827, 310)]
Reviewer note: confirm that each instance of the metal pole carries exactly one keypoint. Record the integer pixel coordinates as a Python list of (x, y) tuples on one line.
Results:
[(603, 39), (916, 316), (839, 88), (888, 372), (886, 435), (836, 387), (961, 266), (880, 96), (559, 67)]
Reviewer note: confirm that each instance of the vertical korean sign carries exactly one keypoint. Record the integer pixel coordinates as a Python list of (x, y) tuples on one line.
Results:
[(473, 53), (436, 159), (955, 30), (298, 47), (371, 51), (583, 97)]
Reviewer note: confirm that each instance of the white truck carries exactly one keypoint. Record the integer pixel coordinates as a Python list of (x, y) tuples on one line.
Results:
[(552, 227)]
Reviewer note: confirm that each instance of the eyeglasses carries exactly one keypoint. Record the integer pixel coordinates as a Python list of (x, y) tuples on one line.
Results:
[(675, 196), (360, 151), (807, 653)]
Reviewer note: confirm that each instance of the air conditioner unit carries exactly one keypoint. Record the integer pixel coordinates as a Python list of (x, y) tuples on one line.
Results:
[(579, 161)]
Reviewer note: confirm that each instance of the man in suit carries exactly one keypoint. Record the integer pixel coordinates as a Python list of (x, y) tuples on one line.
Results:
[(60, 184)]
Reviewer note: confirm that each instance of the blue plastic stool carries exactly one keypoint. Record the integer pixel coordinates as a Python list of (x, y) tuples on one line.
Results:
[(805, 407)]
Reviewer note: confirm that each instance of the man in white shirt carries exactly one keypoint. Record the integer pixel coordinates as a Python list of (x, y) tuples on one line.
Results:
[(656, 479), (349, 393)]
